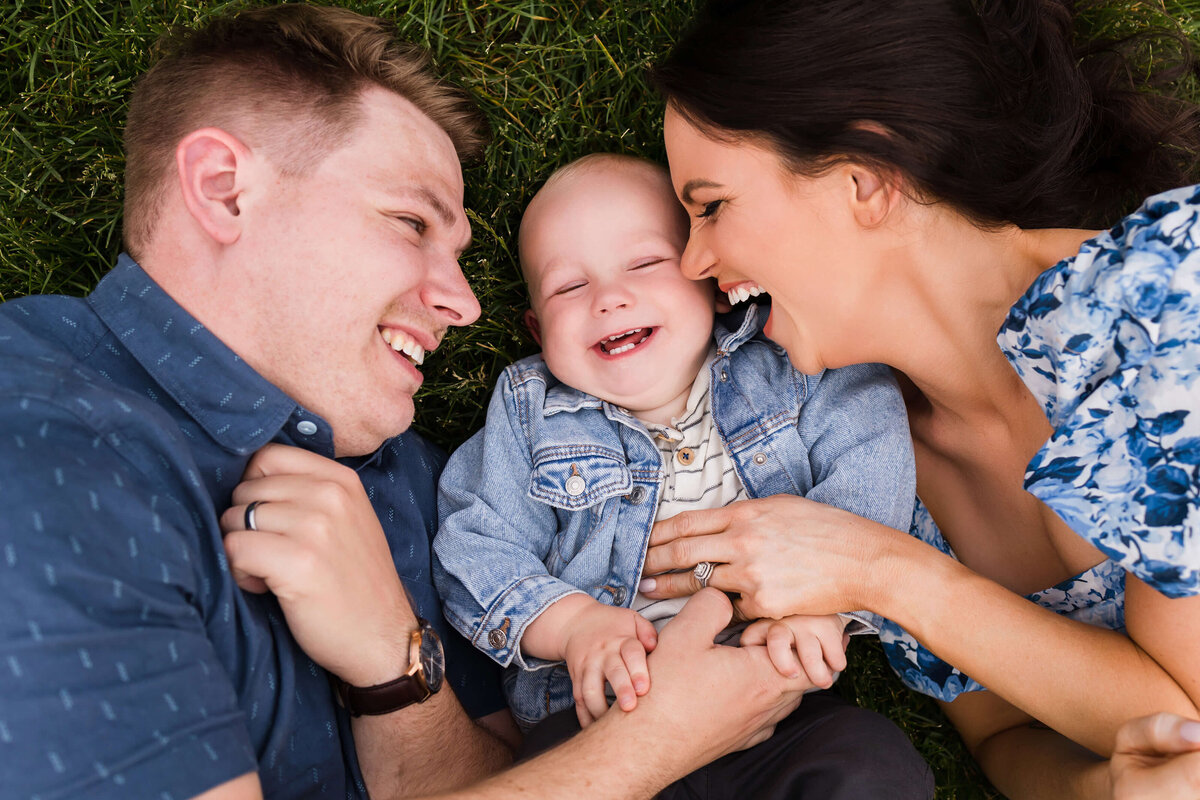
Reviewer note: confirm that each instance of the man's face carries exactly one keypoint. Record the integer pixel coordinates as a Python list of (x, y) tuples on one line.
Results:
[(353, 263), (617, 318)]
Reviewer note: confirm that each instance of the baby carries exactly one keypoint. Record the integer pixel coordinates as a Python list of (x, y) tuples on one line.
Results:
[(640, 406)]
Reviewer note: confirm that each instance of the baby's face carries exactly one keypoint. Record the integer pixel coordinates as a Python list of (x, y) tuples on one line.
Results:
[(616, 317)]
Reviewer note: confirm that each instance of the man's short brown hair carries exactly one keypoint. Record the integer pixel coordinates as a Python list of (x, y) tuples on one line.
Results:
[(288, 80)]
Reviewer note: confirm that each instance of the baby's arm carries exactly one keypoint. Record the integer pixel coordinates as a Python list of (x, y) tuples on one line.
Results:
[(599, 643), (815, 646)]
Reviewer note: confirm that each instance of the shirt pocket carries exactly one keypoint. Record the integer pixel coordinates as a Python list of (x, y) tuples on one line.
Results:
[(574, 478)]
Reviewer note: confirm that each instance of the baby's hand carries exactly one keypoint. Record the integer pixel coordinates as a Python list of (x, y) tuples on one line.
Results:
[(608, 644), (820, 643)]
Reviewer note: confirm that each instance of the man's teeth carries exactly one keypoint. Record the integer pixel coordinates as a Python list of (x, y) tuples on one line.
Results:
[(401, 342), (739, 294)]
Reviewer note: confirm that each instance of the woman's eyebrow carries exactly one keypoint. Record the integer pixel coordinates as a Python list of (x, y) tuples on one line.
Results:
[(693, 185)]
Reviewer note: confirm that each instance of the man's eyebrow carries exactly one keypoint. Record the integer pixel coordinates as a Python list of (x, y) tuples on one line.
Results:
[(693, 185)]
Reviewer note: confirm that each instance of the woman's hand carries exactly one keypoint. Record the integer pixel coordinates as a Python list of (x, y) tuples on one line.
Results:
[(784, 555), (1157, 757)]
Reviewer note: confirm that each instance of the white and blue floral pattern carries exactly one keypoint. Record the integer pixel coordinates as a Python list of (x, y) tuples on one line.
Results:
[(1109, 342)]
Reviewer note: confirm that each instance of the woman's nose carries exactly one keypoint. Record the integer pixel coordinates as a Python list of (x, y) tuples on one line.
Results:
[(697, 260)]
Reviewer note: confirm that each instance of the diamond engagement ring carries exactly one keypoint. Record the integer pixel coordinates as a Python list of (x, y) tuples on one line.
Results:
[(703, 572), (250, 515)]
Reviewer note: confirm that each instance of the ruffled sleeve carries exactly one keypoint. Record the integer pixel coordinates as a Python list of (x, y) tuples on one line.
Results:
[(1109, 343)]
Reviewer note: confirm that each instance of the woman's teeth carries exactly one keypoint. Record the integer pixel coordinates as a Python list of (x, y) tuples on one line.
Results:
[(739, 294), (401, 342)]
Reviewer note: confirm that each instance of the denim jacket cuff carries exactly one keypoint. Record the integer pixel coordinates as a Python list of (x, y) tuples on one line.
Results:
[(504, 624)]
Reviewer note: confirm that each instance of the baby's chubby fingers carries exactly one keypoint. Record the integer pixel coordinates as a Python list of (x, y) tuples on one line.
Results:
[(633, 656), (589, 691), (812, 658), (618, 677)]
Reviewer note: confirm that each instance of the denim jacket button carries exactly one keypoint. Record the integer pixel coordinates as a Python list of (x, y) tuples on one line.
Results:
[(724, 376), (575, 485), (497, 638), (619, 596), (760, 458), (637, 496)]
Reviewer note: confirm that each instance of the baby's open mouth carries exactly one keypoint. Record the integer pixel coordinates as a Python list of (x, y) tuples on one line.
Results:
[(624, 342)]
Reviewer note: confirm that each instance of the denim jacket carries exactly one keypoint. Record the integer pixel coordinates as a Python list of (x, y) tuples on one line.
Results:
[(557, 494)]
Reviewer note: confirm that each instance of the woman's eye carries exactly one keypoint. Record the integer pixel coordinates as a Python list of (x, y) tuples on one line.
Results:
[(710, 208)]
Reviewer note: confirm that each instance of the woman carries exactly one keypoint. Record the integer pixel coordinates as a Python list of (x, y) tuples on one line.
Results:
[(903, 178)]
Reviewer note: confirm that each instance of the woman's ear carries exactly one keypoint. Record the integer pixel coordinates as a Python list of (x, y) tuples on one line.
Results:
[(210, 163), (532, 325), (874, 196)]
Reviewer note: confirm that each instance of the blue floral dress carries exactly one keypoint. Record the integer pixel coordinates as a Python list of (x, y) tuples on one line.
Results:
[(1109, 342)]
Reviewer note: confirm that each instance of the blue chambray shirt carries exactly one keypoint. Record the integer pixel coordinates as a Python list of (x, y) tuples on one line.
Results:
[(131, 664)]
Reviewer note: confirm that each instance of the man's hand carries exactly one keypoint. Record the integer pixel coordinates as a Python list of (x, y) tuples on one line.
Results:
[(604, 643), (803, 645), (1157, 757), (320, 549)]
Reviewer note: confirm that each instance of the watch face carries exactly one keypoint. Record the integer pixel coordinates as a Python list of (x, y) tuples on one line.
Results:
[(433, 659)]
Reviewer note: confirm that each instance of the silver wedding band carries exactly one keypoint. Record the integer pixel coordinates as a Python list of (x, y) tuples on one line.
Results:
[(703, 572), (250, 526)]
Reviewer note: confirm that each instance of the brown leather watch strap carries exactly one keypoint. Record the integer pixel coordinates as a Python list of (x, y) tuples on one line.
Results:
[(385, 698)]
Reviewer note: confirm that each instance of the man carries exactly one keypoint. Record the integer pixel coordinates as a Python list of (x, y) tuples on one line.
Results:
[(195, 596)]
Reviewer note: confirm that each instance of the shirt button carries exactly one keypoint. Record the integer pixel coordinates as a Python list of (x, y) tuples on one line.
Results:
[(637, 496), (497, 638), (685, 455), (306, 427), (619, 596), (760, 458), (575, 486)]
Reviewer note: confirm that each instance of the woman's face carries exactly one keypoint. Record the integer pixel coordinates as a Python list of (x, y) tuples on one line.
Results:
[(756, 223)]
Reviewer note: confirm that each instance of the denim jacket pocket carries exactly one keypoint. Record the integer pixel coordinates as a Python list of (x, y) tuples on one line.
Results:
[(573, 477)]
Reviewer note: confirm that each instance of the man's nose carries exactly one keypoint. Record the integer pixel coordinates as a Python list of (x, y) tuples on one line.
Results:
[(449, 295)]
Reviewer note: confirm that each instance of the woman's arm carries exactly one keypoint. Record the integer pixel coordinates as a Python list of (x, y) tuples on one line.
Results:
[(787, 555)]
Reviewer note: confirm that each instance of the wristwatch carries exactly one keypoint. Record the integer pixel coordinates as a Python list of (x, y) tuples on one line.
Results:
[(427, 668)]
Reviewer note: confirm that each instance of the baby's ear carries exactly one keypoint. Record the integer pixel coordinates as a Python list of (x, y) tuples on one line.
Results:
[(532, 325)]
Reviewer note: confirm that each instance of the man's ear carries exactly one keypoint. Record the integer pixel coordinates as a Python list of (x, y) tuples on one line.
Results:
[(873, 195), (532, 325), (208, 161)]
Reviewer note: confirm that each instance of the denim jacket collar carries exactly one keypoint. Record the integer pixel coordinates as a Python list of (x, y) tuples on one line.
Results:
[(560, 397)]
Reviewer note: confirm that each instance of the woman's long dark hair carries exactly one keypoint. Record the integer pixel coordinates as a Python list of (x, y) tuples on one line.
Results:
[(989, 106)]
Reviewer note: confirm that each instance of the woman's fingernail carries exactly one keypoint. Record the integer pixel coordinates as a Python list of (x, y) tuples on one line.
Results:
[(647, 585), (1190, 731)]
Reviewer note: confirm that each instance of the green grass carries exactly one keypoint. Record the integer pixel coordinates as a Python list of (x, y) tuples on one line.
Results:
[(556, 80)]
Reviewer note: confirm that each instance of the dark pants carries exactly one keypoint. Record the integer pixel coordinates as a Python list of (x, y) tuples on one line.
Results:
[(827, 749)]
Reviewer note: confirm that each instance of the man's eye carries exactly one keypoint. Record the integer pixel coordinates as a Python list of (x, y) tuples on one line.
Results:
[(710, 208), (416, 224)]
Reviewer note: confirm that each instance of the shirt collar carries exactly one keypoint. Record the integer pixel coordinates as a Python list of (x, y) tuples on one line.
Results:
[(237, 407)]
